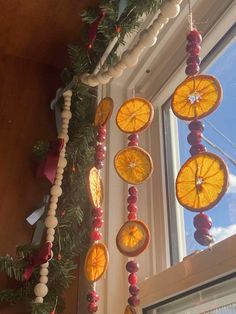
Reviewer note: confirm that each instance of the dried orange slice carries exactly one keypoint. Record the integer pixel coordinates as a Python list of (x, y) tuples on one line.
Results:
[(95, 187), (133, 165), (134, 115), (96, 262), (196, 97), (201, 182), (103, 111), (133, 238), (130, 310)]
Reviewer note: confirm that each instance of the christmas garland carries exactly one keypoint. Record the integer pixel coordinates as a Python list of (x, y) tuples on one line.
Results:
[(106, 22)]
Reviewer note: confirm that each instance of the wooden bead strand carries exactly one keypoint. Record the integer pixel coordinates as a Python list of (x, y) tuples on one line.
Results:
[(51, 222)]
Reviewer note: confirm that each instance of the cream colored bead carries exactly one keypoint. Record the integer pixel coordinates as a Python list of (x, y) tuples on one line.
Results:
[(40, 290), (56, 190), (58, 177), (65, 122), (176, 1), (163, 19), (60, 171), (147, 39), (50, 238), (120, 66), (51, 231), (84, 78), (51, 212), (67, 93), (129, 59), (43, 279), (93, 81), (43, 271), (57, 182), (38, 300), (51, 222), (52, 206), (67, 103), (66, 114), (64, 136), (115, 72), (43, 266), (169, 9), (101, 79), (62, 162)]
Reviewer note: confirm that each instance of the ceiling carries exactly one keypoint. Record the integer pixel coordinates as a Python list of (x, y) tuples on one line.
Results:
[(40, 30)]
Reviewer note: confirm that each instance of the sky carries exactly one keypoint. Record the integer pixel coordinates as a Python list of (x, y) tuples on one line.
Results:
[(224, 119)]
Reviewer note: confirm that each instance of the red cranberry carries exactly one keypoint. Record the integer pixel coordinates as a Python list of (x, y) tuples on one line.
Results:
[(193, 49), (193, 59), (195, 137), (192, 69), (97, 212), (132, 216), (96, 235), (133, 279), (101, 148), (196, 125), (132, 267), (203, 236), (92, 296), (92, 307), (102, 131), (194, 36), (202, 221), (99, 164), (100, 156), (133, 143), (133, 137), (133, 301), (132, 199), (132, 208), (133, 190), (134, 290), (98, 222), (101, 138), (196, 149)]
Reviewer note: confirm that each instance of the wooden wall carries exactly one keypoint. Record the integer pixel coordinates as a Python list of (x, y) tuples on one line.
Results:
[(26, 89)]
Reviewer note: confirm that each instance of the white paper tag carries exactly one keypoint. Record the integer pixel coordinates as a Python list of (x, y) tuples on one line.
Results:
[(37, 214)]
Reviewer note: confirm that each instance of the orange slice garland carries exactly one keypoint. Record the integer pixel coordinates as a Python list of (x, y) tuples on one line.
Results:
[(134, 115), (196, 97), (130, 310), (96, 262), (133, 238), (95, 187), (103, 111), (133, 165), (201, 182)]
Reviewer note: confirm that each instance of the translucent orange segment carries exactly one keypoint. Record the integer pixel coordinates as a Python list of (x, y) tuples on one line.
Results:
[(103, 111), (133, 238), (133, 165), (201, 182), (196, 97), (96, 262), (130, 310), (95, 187), (134, 115)]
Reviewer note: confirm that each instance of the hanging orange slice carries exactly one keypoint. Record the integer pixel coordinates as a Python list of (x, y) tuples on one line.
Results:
[(133, 165), (130, 310), (96, 262), (201, 182), (95, 187), (103, 111), (134, 115), (196, 97), (133, 238)]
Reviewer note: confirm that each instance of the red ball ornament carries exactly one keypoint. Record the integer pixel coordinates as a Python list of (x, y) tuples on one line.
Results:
[(96, 235), (101, 138), (133, 279), (133, 137), (97, 212), (193, 49), (101, 148), (195, 137), (92, 307), (132, 267), (203, 236), (92, 296), (133, 301), (202, 221), (102, 131), (98, 222), (194, 36), (196, 125), (133, 190), (192, 69), (132, 199), (134, 290), (132, 208), (196, 149), (132, 216), (100, 156), (193, 59)]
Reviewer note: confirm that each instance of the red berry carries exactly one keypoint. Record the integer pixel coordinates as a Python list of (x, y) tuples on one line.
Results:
[(193, 49), (132, 267), (196, 125), (202, 221), (196, 149), (102, 131), (92, 296), (194, 36), (195, 137), (92, 307), (98, 222), (101, 138), (133, 137), (101, 148), (133, 190), (133, 279), (134, 290), (193, 59), (132, 199), (97, 212), (99, 164), (203, 236), (100, 155), (96, 235), (192, 69), (132, 208), (132, 216), (133, 301), (133, 143)]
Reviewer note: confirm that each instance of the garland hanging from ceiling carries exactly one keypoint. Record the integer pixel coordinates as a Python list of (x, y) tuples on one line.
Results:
[(71, 237)]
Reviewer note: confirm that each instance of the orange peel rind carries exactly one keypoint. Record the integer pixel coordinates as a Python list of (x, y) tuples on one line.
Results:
[(103, 111), (95, 187)]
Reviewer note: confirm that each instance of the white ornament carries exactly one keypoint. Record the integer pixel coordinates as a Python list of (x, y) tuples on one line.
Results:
[(66, 114), (38, 300), (147, 39), (57, 182), (50, 238), (43, 279), (169, 9), (51, 222), (54, 199), (53, 205), (102, 79), (93, 80), (129, 59), (56, 190), (40, 290), (43, 271), (163, 19), (51, 212), (62, 162), (115, 72), (51, 231)]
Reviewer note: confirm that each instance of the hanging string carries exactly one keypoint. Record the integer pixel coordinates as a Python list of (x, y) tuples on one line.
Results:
[(190, 15)]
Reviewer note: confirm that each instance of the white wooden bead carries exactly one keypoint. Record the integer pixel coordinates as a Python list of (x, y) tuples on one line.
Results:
[(147, 39), (129, 59), (169, 9), (67, 103), (93, 80), (84, 78), (176, 1), (51, 231), (44, 272), (66, 114), (65, 121), (114, 72), (64, 136), (43, 279), (67, 93), (38, 300), (57, 182), (60, 171), (52, 206), (101, 79), (120, 65), (163, 19), (50, 238), (56, 190), (51, 212), (43, 266), (40, 290), (62, 162), (51, 222), (62, 154), (58, 177)]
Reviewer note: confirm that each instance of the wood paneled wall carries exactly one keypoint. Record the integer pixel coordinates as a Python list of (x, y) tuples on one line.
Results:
[(26, 89)]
